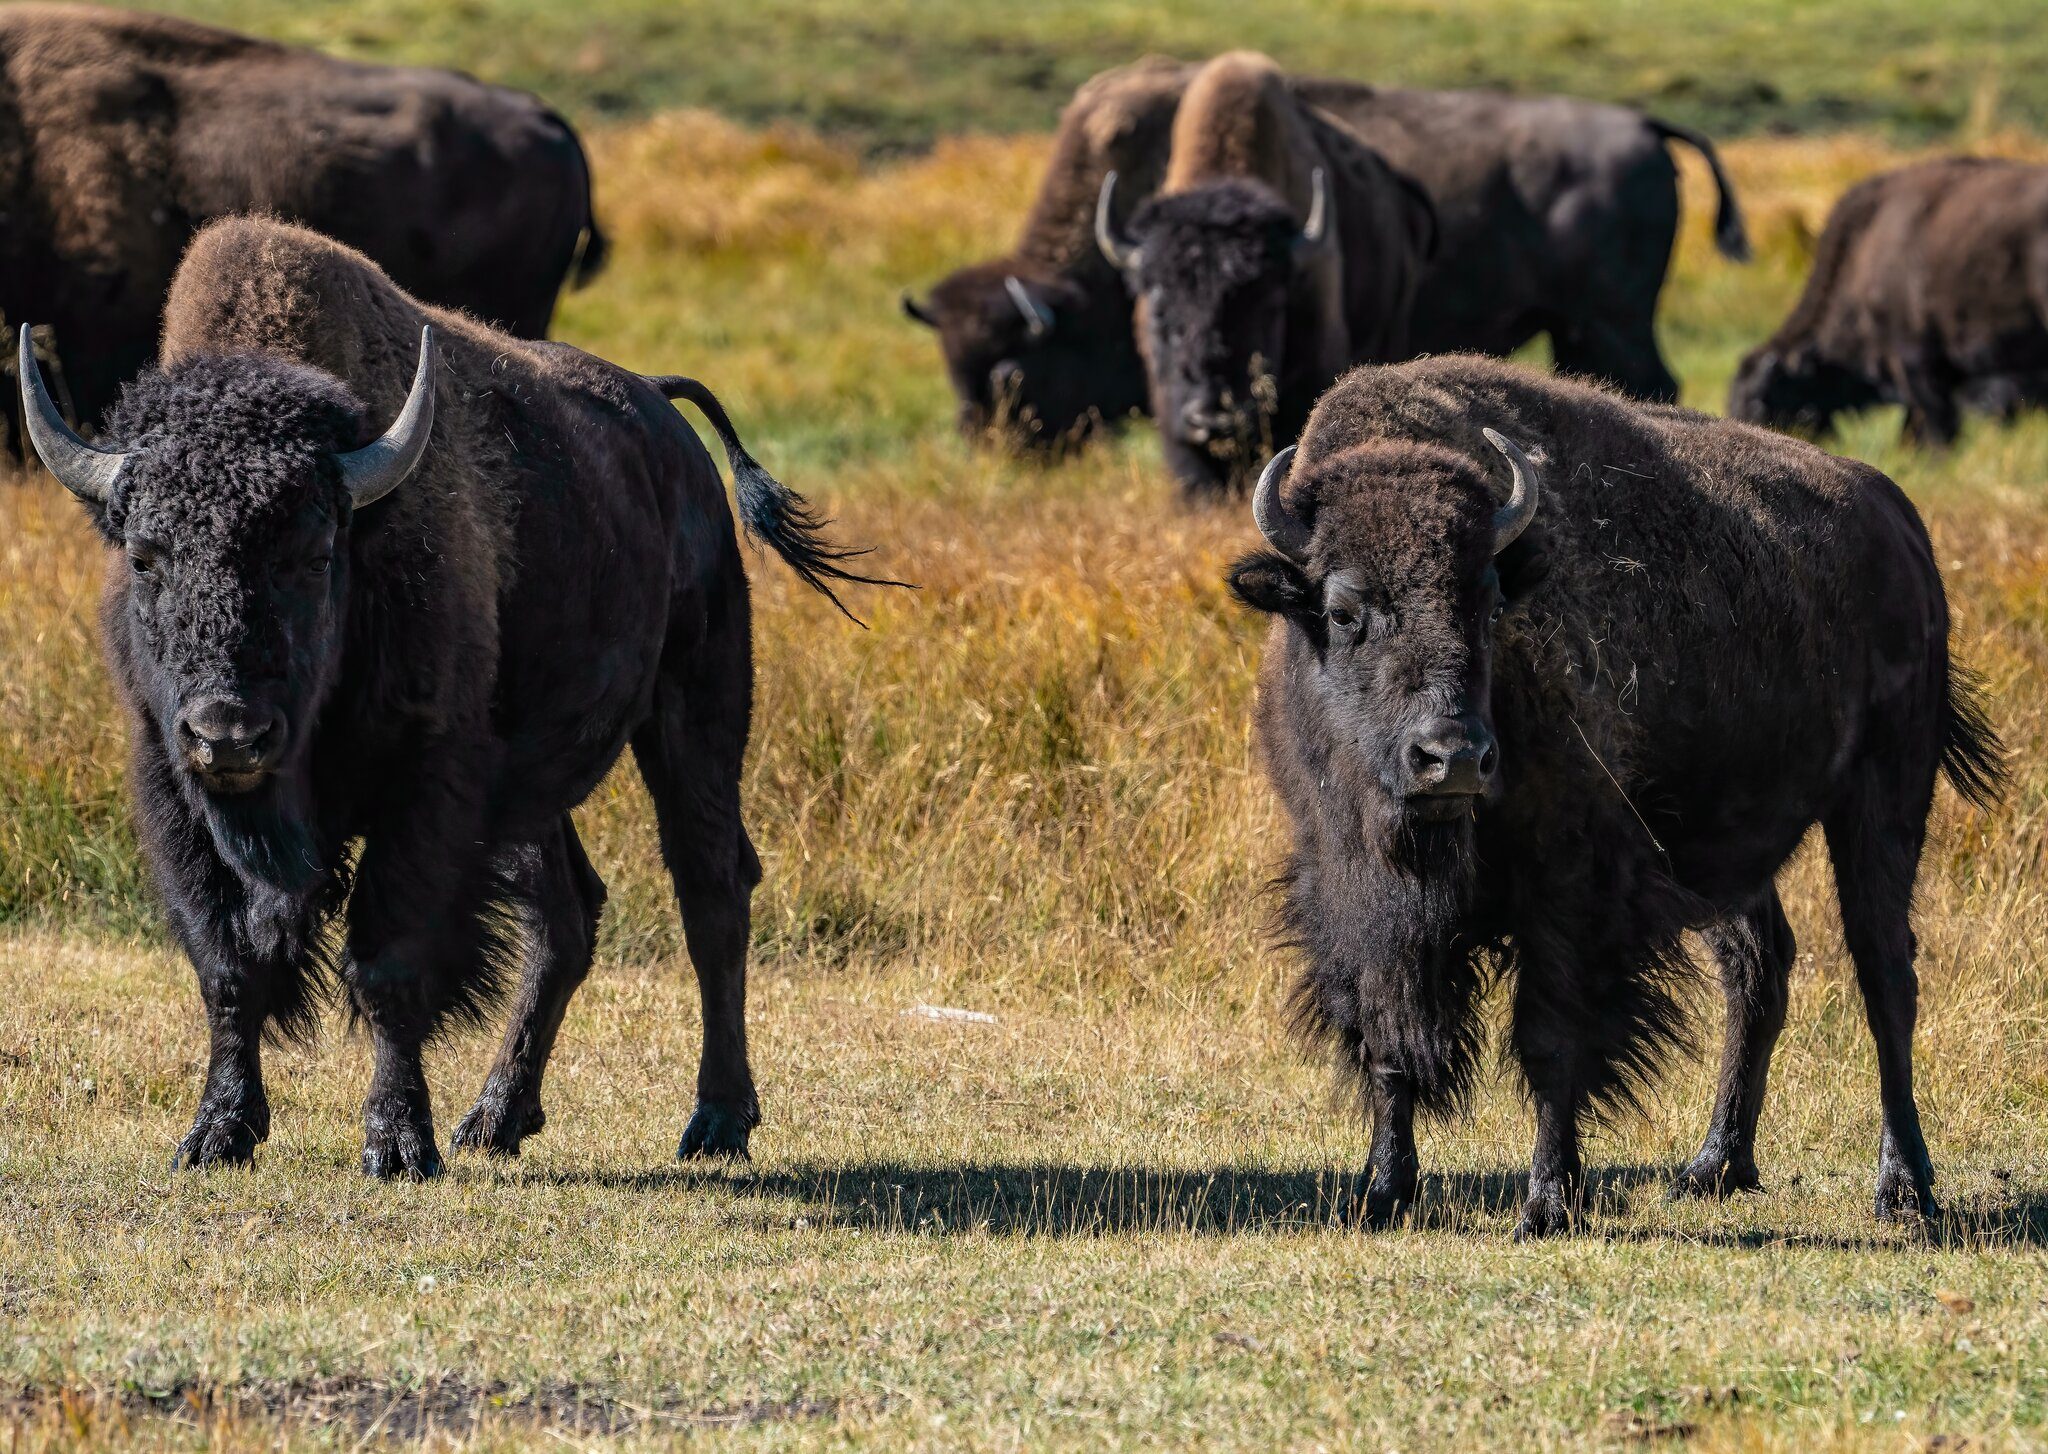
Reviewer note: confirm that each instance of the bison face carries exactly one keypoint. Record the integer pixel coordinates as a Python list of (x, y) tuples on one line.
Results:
[(1216, 272), (229, 503), (1795, 391), (1036, 363), (1388, 567)]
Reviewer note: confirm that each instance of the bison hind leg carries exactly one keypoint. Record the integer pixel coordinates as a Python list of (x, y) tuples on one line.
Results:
[(1755, 954), (553, 888)]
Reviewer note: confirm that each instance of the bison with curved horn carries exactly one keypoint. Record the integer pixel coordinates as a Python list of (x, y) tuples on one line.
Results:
[(1037, 342), (1504, 756), (369, 674), (1280, 251)]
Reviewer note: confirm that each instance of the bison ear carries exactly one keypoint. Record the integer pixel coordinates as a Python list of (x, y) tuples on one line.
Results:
[(1268, 581), (918, 312)]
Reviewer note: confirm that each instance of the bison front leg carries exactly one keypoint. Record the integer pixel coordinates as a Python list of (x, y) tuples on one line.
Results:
[(419, 949), (1556, 1178), (1392, 1171), (234, 1112)]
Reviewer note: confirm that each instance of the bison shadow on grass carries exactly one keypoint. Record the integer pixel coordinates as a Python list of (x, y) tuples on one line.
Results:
[(1046, 1199)]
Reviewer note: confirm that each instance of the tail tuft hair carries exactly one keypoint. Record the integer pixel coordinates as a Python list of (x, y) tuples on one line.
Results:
[(1972, 757), (774, 514)]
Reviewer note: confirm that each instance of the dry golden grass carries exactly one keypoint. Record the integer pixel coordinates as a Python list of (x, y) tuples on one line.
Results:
[(1028, 789)]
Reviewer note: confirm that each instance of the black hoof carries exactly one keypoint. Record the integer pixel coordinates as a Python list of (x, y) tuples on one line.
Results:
[(1548, 1213), (222, 1139), (1903, 1200), (718, 1128), (1705, 1180), (497, 1123), (400, 1148)]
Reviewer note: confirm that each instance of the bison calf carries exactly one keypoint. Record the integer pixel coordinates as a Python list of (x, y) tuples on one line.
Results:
[(1929, 290), (369, 675), (1543, 712)]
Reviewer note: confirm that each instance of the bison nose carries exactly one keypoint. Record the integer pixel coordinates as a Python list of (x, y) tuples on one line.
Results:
[(227, 736), (1451, 757)]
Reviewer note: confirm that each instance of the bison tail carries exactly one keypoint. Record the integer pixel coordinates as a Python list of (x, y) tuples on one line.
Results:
[(1730, 236), (1972, 757), (773, 513)]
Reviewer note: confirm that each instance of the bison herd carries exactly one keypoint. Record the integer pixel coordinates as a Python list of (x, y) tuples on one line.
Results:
[(393, 583)]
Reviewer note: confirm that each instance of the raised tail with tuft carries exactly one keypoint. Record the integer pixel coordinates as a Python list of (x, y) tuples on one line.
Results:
[(1730, 236), (1972, 758), (772, 512)]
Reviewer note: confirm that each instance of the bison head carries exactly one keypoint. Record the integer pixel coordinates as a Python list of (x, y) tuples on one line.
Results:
[(1217, 273), (230, 497), (1390, 565), (1795, 390), (1035, 362)]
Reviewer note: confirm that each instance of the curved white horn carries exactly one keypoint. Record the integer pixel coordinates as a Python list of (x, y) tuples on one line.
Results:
[(1513, 518), (87, 472), (1037, 317), (1119, 249), (381, 466), (1283, 529), (1318, 210)]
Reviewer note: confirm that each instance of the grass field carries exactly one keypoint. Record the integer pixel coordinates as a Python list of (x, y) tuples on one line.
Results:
[(897, 73), (1114, 1216)]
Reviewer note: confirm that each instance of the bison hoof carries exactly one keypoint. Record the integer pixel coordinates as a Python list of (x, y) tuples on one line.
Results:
[(719, 1128), (1712, 1180), (497, 1123), (226, 1138), (1902, 1199), (1384, 1205), (400, 1149), (1548, 1213)]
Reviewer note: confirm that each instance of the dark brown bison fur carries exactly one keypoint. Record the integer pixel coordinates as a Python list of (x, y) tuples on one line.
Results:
[(1929, 289), (1557, 216), (122, 134), (453, 668), (1710, 638), (1049, 382), (1242, 320)]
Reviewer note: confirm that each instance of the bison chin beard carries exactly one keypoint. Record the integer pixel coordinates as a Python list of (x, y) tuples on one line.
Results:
[(265, 834), (1395, 967)]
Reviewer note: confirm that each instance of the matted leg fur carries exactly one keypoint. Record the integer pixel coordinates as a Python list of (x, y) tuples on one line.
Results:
[(558, 897)]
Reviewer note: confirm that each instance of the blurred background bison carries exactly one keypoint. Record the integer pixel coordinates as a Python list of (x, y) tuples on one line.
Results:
[(121, 134)]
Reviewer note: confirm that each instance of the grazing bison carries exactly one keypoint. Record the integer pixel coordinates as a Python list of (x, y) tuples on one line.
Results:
[(1929, 289), (369, 677), (125, 133), (1280, 251), (1554, 216), (1545, 725), (1038, 343)]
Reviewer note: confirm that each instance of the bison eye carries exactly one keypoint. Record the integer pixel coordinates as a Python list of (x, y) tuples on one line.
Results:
[(1500, 609), (142, 565), (318, 564), (1344, 618)]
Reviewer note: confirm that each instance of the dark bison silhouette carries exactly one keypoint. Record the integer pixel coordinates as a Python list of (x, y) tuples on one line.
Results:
[(431, 644), (1543, 726)]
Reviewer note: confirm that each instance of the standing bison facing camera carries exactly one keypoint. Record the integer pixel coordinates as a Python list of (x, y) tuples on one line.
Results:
[(1550, 723), (431, 643)]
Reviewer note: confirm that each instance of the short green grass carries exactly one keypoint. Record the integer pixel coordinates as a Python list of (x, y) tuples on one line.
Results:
[(897, 73), (1114, 1217)]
